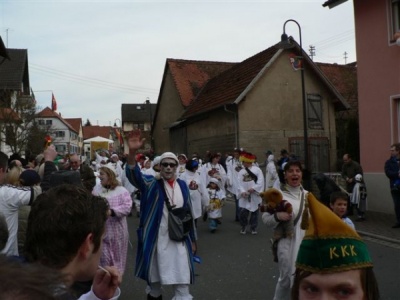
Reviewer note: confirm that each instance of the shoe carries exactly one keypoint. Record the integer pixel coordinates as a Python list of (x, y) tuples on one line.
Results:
[(213, 230), (149, 297), (243, 231), (254, 232), (396, 226)]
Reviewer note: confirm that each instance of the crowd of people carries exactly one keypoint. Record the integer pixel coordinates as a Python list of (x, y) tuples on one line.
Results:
[(69, 218)]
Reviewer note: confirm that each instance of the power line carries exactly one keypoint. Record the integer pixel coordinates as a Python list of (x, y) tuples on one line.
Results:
[(90, 81)]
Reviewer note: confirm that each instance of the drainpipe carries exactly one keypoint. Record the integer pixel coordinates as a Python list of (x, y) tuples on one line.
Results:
[(236, 125)]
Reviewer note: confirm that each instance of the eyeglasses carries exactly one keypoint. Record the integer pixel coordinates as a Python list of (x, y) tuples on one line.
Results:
[(172, 165)]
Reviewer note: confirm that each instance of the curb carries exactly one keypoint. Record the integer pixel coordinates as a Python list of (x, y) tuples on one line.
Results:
[(378, 237)]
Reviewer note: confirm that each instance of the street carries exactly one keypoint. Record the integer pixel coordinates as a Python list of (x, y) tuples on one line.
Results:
[(236, 266)]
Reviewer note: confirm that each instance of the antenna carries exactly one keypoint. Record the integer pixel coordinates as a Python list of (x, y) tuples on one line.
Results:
[(312, 51)]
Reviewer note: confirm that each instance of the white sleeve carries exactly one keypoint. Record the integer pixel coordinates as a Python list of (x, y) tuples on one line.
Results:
[(269, 219), (91, 296)]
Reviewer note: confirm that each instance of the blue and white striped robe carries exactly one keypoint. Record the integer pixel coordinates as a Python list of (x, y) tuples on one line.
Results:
[(151, 210)]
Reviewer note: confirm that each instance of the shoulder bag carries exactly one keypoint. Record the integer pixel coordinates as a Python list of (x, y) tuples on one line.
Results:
[(180, 219)]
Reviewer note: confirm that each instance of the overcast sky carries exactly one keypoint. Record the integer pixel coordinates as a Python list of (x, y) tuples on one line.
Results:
[(96, 55)]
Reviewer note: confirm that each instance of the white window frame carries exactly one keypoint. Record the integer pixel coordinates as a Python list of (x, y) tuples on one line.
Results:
[(394, 18), (60, 133)]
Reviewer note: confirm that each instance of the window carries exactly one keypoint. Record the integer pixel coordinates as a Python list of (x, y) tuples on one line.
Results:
[(41, 122), (49, 122), (138, 126), (60, 133), (395, 18), (60, 148), (314, 111)]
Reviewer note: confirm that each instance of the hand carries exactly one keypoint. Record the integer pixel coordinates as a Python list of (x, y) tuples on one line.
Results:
[(245, 194), (194, 247), (251, 190), (50, 153), (135, 140), (283, 216), (106, 283)]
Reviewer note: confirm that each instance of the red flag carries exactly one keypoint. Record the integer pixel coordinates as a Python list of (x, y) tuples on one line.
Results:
[(119, 136), (53, 103)]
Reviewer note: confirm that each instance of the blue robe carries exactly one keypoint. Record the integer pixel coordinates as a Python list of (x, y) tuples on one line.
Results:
[(151, 209)]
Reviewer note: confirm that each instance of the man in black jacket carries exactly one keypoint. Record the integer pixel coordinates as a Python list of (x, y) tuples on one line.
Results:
[(392, 172)]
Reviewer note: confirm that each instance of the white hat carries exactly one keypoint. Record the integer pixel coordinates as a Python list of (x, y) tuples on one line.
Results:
[(214, 180), (156, 160), (169, 155), (114, 155), (183, 155)]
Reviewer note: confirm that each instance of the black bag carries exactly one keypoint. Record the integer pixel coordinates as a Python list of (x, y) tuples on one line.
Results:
[(179, 224), (180, 219)]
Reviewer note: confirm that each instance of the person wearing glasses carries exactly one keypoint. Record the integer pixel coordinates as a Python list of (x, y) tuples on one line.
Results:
[(159, 259), (87, 175)]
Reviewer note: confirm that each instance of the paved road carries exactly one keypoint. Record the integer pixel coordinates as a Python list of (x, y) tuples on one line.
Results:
[(237, 267)]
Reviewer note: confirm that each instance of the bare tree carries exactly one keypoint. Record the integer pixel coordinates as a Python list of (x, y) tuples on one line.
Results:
[(87, 123), (17, 119)]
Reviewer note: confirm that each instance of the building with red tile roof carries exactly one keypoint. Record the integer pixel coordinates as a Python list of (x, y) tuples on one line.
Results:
[(255, 104), (64, 137)]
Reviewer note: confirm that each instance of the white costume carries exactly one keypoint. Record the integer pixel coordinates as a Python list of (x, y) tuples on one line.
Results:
[(198, 192), (170, 265), (288, 247), (11, 198), (233, 167), (217, 171), (270, 172), (216, 200), (251, 201)]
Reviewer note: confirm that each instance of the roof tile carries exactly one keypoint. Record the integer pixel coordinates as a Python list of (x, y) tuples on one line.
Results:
[(190, 76), (226, 87), (93, 131)]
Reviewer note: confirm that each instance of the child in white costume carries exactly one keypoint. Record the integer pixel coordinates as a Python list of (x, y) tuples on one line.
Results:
[(359, 197), (214, 208)]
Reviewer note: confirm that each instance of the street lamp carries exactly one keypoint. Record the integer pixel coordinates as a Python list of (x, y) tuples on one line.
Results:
[(286, 44), (115, 122)]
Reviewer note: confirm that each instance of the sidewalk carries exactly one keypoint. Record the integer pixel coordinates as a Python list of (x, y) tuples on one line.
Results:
[(378, 225)]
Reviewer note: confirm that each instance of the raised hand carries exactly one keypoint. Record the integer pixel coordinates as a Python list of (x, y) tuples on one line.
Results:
[(135, 140)]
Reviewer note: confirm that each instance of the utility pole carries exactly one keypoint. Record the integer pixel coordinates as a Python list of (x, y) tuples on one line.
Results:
[(312, 51), (345, 57)]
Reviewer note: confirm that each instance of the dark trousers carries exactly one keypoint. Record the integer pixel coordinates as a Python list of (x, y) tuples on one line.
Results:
[(396, 202), (244, 218), (237, 208)]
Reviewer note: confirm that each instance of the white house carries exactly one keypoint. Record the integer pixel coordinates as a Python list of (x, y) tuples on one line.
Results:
[(64, 137)]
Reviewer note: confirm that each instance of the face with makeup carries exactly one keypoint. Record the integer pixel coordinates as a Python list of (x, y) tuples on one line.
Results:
[(168, 168)]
